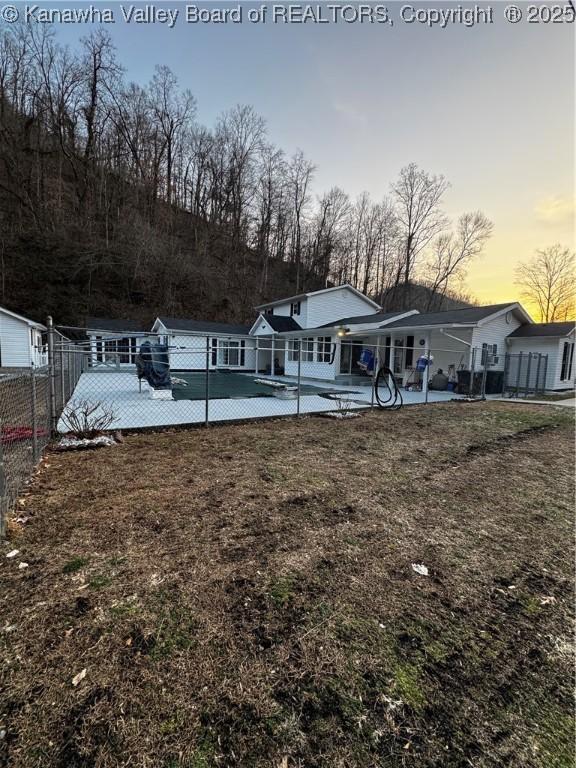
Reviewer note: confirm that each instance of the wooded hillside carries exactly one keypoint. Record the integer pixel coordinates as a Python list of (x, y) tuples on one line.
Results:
[(115, 200)]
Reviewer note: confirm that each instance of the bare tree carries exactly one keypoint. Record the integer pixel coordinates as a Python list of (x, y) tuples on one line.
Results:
[(452, 252), (547, 281), (300, 173), (417, 196)]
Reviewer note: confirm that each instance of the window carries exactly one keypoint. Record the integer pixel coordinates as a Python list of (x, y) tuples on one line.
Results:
[(293, 348), (567, 360), (307, 350), (231, 352), (324, 349), (294, 308)]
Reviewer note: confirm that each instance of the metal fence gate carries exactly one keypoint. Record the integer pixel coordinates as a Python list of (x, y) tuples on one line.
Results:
[(525, 373)]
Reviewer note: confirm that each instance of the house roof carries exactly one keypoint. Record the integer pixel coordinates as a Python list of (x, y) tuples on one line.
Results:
[(543, 329), (116, 325), (281, 324), (467, 316), (300, 296), (375, 317), (31, 323), (203, 326)]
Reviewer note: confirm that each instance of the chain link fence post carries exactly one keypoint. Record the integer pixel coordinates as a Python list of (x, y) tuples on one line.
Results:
[(3, 491), (33, 402), (52, 377), (207, 385)]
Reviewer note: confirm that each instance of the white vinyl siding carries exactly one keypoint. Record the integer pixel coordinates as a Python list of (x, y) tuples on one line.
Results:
[(317, 354), (20, 345), (554, 348), (188, 352), (494, 332), (328, 307)]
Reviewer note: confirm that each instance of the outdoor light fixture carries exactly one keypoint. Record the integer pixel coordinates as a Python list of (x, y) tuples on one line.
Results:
[(342, 331)]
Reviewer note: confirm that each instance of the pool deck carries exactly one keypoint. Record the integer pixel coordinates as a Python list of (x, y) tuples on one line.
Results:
[(135, 410)]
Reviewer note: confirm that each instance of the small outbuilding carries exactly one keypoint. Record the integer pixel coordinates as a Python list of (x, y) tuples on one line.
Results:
[(556, 340), (21, 341)]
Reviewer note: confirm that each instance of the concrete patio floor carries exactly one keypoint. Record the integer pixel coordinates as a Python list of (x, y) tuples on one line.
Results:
[(135, 410)]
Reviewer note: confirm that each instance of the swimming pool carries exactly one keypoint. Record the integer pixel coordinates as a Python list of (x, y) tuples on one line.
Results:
[(224, 385)]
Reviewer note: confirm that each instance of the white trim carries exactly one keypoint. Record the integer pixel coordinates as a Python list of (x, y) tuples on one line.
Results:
[(260, 317), (31, 323)]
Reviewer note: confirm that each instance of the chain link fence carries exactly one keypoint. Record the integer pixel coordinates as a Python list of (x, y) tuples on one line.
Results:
[(31, 401), (210, 379), (132, 381)]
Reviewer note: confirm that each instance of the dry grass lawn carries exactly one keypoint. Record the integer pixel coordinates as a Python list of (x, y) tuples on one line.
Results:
[(244, 596)]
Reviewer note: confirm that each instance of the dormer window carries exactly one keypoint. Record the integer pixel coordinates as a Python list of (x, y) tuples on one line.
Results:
[(294, 308)]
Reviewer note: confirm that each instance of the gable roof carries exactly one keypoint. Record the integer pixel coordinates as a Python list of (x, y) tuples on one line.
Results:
[(203, 326), (116, 325), (375, 317), (467, 316), (300, 296), (16, 316), (281, 323), (543, 329)]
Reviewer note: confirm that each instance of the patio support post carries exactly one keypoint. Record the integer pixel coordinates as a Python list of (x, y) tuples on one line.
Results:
[(51, 376), (272, 367), (207, 383), (375, 371), (257, 349), (392, 356), (426, 370)]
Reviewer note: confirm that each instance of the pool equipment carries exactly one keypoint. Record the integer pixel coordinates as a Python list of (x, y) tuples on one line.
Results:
[(153, 365)]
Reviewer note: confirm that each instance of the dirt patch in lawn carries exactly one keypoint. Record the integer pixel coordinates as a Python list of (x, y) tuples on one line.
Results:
[(245, 596)]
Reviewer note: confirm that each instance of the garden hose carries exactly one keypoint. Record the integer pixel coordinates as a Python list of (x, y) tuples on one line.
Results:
[(392, 399)]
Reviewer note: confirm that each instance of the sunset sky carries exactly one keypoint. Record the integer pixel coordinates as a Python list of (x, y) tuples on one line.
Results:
[(491, 107)]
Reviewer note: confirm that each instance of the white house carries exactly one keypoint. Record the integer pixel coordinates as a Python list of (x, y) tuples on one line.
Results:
[(322, 334), (21, 343), (193, 343), (315, 322)]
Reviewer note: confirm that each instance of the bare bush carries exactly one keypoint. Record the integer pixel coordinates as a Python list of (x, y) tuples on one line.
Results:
[(87, 419)]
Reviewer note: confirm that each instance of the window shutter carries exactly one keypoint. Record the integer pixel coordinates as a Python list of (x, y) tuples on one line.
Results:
[(214, 351)]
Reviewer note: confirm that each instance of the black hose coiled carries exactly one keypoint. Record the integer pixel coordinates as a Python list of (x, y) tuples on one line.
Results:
[(392, 399)]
